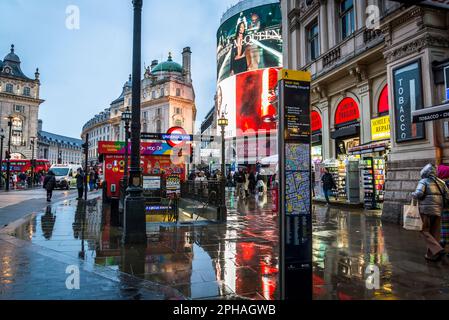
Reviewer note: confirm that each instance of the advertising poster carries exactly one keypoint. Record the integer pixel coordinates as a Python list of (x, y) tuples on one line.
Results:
[(151, 183), (173, 185), (250, 40), (226, 105), (446, 82), (408, 98)]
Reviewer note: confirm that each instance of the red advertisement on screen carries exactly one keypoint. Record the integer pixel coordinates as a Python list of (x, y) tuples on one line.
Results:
[(254, 98)]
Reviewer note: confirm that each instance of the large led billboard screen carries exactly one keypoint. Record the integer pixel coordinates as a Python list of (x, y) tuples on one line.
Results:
[(250, 40), (247, 101)]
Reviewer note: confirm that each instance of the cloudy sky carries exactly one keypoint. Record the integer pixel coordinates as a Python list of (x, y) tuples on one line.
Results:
[(83, 70)]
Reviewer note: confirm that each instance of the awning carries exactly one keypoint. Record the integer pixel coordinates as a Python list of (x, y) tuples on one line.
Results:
[(431, 114), (348, 131), (370, 148)]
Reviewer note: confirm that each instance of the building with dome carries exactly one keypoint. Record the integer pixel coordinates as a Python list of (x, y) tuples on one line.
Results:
[(168, 100), (19, 99)]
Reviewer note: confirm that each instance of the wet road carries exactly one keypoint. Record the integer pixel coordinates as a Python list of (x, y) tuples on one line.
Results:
[(239, 260)]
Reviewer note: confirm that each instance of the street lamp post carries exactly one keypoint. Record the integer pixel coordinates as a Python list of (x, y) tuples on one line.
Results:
[(32, 160), (8, 155), (134, 222), (126, 118), (223, 123), (2, 138)]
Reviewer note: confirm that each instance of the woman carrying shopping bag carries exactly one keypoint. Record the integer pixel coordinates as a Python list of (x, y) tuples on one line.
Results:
[(431, 205), (443, 174)]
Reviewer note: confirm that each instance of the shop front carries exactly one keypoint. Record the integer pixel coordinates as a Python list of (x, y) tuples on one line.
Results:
[(373, 156), (345, 167)]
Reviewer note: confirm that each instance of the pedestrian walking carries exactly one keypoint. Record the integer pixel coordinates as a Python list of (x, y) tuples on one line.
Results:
[(328, 184), (91, 180), (80, 183), (252, 182), (50, 184), (239, 181), (443, 174), (246, 183), (430, 193)]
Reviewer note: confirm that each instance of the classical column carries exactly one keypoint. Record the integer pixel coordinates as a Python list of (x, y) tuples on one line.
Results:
[(365, 112), (360, 9), (332, 26), (325, 113), (323, 32)]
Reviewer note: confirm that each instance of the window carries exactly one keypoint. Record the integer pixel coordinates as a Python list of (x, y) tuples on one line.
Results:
[(346, 18), (178, 111), (27, 91), (17, 132), (159, 111), (162, 92), (158, 126), (178, 92), (153, 94), (9, 88), (314, 41), (19, 109)]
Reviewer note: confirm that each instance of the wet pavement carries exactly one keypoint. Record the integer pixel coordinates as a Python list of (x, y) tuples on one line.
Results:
[(237, 260)]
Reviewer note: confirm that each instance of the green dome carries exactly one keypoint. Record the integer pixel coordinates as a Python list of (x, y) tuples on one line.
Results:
[(168, 66)]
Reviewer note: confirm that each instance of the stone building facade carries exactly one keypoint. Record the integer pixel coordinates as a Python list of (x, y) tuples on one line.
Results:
[(20, 100), (168, 100), (58, 149), (358, 52)]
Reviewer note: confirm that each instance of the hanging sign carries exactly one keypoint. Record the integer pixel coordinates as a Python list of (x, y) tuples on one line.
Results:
[(446, 82), (408, 98), (295, 185)]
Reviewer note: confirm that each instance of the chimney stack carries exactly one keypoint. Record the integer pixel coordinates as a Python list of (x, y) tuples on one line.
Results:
[(187, 64)]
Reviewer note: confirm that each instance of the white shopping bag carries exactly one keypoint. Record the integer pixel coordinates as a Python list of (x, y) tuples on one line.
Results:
[(412, 218)]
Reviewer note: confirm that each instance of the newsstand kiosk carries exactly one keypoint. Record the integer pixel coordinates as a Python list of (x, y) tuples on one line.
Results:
[(161, 177)]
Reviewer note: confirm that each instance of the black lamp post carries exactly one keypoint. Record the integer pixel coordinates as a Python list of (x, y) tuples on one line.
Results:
[(223, 123), (134, 222), (33, 139), (126, 118), (8, 155), (2, 138)]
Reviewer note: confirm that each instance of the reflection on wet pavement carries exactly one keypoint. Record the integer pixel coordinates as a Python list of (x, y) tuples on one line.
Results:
[(201, 260), (347, 242), (240, 259)]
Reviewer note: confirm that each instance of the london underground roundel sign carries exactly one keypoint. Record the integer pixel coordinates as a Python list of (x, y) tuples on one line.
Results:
[(178, 136)]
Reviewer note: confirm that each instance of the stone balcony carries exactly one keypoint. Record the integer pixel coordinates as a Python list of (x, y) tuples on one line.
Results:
[(351, 48)]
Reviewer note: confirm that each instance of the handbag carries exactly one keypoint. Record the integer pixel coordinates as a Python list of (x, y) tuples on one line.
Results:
[(412, 218)]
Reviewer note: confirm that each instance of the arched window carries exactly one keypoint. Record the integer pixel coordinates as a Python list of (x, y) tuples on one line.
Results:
[(9, 88), (17, 132)]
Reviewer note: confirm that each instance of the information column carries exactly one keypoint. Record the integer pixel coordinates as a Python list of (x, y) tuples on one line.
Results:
[(295, 185)]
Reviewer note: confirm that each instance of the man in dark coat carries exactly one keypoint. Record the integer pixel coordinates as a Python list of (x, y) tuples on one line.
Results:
[(328, 184), (80, 183), (49, 184)]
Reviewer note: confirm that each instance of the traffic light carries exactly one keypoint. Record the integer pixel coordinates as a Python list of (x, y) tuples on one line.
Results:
[(85, 147)]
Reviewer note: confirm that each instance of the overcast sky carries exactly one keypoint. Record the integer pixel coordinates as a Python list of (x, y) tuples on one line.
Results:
[(83, 70)]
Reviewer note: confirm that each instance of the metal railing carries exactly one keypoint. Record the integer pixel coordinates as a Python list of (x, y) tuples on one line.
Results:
[(203, 191)]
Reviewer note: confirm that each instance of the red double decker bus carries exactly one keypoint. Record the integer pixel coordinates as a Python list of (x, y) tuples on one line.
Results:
[(19, 166)]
